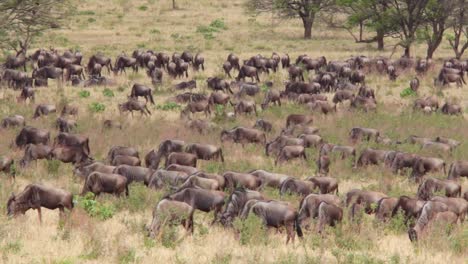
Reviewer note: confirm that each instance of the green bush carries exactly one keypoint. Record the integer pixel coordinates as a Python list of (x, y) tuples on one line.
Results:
[(108, 92), (407, 92), (127, 256), (218, 23), (95, 208), (143, 8), (251, 231), (84, 94), (169, 106), (53, 166), (97, 107)]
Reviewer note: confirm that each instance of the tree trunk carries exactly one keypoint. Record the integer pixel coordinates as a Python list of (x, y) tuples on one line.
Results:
[(380, 40), (407, 52), (308, 23), (430, 52), (174, 4)]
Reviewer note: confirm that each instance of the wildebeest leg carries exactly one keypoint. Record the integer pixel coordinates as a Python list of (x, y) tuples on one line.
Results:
[(40, 214)]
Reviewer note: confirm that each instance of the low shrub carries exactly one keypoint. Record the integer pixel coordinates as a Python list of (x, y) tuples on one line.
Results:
[(84, 94), (169, 106), (97, 107), (108, 92), (95, 208), (407, 92)]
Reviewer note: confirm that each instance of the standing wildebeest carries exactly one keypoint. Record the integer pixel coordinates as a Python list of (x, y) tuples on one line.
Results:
[(248, 71), (290, 152), (200, 199), (227, 67), (295, 72), (171, 212), (457, 169), (35, 196), (275, 214), (236, 202), (194, 107), (427, 188), (244, 106), (245, 180), (269, 179), (143, 91), (13, 121), (32, 135), (98, 183), (296, 119), (205, 151), (14, 62), (153, 158), (134, 105), (324, 184), (414, 84), (132, 173), (181, 158), (243, 135), (309, 205), (271, 96), (451, 109), (263, 125), (120, 150), (69, 110), (371, 156), (72, 140), (34, 152), (125, 160), (44, 109), (410, 207), (198, 61), (423, 165), (74, 155), (123, 62), (385, 207), (192, 84), (433, 213), (341, 96), (328, 214), (26, 93), (84, 169), (217, 83), (48, 72), (293, 185), (65, 125), (362, 133)]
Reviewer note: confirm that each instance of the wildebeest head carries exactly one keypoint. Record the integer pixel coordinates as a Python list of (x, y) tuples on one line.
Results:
[(12, 205), (226, 135)]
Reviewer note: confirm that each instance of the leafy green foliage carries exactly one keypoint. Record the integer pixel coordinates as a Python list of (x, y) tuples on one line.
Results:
[(251, 231), (95, 208), (96, 107), (169, 106), (407, 92), (84, 94), (214, 27), (108, 92)]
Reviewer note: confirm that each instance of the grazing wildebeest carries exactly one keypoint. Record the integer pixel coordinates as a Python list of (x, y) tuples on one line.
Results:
[(134, 105), (236, 202), (200, 199), (98, 183), (13, 121), (72, 140), (34, 152), (172, 213), (32, 135), (181, 158), (35, 196), (205, 151), (6, 164), (65, 125), (243, 135), (275, 214), (44, 109)]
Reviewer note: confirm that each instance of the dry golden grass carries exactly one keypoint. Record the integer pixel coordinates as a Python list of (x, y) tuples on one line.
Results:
[(122, 25)]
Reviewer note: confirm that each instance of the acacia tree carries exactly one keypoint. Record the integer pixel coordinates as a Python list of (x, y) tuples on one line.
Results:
[(459, 40), (364, 14), (409, 16), (437, 14), (21, 21), (306, 10)]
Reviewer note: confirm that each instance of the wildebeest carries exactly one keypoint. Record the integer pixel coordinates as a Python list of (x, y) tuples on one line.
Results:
[(32, 135), (143, 91), (98, 183), (171, 212), (236, 202), (200, 199), (35, 196), (34, 152), (44, 109), (134, 105), (275, 214), (205, 151), (13, 121), (6, 165), (72, 140), (243, 135)]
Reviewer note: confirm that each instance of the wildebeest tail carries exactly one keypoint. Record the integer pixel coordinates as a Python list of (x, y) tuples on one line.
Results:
[(297, 226)]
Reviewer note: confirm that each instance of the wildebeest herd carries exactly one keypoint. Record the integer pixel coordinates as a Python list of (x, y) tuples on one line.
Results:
[(231, 194)]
